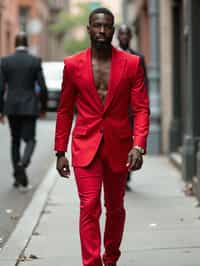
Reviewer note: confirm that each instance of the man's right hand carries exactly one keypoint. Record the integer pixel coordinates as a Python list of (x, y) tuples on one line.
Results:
[(63, 166), (2, 121)]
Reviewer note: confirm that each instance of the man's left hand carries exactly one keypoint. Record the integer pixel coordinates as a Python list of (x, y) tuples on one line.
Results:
[(135, 160)]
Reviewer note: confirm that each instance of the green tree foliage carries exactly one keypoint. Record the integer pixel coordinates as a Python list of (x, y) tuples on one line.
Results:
[(65, 26)]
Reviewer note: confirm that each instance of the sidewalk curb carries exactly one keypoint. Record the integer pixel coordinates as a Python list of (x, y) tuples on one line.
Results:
[(25, 227)]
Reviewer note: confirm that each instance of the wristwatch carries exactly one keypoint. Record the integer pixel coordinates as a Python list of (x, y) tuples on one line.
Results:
[(140, 149), (60, 154)]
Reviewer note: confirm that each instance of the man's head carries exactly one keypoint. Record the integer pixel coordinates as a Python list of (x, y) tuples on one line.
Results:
[(124, 36), (21, 39), (101, 28)]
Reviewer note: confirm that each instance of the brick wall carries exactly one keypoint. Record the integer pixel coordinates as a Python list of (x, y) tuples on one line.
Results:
[(8, 26), (10, 22)]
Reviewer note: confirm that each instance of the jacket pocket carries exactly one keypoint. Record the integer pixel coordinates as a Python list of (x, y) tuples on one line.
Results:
[(79, 131)]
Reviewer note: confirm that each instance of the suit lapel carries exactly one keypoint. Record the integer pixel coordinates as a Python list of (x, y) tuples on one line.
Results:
[(117, 66), (93, 89)]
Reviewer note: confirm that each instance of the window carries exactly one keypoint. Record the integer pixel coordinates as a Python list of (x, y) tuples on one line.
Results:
[(23, 17)]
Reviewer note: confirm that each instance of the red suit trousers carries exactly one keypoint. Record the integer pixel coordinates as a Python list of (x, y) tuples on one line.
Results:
[(90, 181)]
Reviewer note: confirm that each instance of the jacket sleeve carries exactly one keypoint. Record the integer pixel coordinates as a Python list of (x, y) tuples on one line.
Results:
[(140, 107), (143, 64), (42, 85), (65, 111)]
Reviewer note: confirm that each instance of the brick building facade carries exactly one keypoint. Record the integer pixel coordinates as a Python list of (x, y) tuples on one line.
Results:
[(8, 25), (176, 36), (32, 17)]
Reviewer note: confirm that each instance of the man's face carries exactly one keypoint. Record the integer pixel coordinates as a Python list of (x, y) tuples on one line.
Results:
[(101, 30), (124, 37)]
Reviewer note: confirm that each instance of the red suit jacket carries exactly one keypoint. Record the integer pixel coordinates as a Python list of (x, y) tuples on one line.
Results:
[(96, 120)]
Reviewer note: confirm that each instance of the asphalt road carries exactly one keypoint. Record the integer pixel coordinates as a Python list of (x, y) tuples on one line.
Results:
[(13, 202)]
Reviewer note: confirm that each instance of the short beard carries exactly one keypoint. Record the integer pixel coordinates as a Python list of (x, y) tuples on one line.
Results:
[(101, 45)]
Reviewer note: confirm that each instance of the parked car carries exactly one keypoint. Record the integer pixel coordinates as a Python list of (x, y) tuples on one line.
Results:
[(53, 77)]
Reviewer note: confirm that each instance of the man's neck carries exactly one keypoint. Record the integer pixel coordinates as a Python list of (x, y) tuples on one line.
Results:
[(21, 48), (124, 47), (102, 53)]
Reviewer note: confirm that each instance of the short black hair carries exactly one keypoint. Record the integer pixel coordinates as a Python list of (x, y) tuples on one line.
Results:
[(21, 39), (125, 27), (101, 10)]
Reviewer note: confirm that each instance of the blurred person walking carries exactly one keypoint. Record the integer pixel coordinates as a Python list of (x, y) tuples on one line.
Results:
[(102, 82), (124, 37), (19, 102)]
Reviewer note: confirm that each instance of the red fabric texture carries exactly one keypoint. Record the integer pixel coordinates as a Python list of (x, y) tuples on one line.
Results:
[(89, 182)]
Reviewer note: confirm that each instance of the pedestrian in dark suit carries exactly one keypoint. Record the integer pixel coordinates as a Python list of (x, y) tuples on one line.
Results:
[(18, 101), (124, 38)]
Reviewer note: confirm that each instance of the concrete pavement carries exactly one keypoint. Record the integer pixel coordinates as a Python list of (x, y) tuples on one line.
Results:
[(12, 202), (163, 226)]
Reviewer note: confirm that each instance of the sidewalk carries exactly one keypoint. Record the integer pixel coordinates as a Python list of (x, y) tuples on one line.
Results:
[(163, 226)]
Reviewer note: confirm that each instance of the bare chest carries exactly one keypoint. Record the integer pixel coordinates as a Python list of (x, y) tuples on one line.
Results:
[(101, 74)]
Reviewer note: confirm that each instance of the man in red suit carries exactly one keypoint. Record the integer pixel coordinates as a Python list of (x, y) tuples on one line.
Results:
[(102, 82)]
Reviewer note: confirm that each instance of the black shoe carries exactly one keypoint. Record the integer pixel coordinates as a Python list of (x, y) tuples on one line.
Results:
[(16, 184), (16, 176), (21, 176), (25, 189), (128, 188)]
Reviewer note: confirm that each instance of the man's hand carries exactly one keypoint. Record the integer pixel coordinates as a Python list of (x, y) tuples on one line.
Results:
[(2, 121), (63, 166), (135, 160)]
